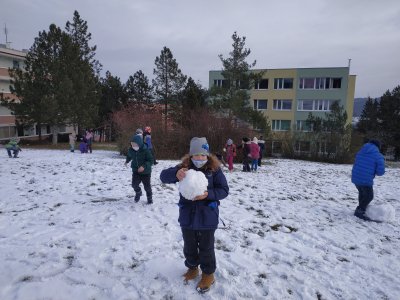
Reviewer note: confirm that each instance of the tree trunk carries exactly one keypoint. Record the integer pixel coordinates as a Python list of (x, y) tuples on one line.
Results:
[(55, 134)]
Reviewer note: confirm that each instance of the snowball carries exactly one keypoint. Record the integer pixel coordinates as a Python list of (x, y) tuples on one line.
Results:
[(383, 212), (193, 184)]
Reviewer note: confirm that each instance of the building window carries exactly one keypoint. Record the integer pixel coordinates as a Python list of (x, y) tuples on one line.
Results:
[(284, 104), (261, 84), (15, 64), (276, 147), (7, 132), (320, 83), (283, 83), (221, 83), (280, 125), (336, 83), (302, 146), (314, 105), (260, 104), (303, 125)]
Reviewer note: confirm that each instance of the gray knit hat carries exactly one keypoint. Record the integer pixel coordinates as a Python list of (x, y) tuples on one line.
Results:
[(199, 146)]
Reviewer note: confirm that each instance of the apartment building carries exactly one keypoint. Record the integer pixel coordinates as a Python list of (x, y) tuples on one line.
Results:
[(9, 58), (287, 96)]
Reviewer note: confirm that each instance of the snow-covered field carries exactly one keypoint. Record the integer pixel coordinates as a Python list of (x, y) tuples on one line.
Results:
[(69, 229)]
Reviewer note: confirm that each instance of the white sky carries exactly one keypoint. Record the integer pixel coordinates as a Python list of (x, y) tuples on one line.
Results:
[(281, 34)]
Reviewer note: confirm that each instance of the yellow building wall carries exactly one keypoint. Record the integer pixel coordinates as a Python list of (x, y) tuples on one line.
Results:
[(350, 98), (270, 94)]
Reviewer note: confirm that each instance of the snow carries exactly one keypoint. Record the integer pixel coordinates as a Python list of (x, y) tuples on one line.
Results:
[(193, 184), (383, 212), (69, 229)]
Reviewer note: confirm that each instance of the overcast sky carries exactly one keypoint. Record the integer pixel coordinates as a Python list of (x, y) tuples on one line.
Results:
[(130, 34)]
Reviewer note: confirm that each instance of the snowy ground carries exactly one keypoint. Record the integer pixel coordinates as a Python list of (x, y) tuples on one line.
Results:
[(69, 229)]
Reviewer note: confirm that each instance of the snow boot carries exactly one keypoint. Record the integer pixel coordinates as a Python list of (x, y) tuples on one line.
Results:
[(207, 280), (149, 201), (190, 274), (359, 213), (137, 196)]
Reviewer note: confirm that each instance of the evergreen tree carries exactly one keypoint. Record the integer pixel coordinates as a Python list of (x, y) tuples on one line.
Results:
[(235, 95), (78, 30), (113, 96), (83, 71), (43, 87), (169, 80), (189, 101), (369, 123), (389, 117), (139, 89), (330, 134)]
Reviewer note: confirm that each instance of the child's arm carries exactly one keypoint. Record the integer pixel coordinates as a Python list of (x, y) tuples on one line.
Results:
[(221, 188), (169, 175)]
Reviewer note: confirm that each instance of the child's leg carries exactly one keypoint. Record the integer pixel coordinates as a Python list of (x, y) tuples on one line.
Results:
[(230, 163), (255, 164), (206, 251), (135, 184), (146, 179), (190, 249), (9, 153)]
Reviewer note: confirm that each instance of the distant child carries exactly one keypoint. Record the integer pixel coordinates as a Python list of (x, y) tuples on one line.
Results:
[(230, 149), (83, 146), (141, 161), (254, 154), (72, 139), (261, 143), (147, 140), (368, 163), (89, 139), (245, 146), (198, 218), (14, 147)]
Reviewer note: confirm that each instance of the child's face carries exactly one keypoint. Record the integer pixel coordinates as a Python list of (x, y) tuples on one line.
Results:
[(134, 145), (200, 157)]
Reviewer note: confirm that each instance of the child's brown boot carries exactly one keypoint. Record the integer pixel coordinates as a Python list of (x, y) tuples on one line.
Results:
[(190, 274), (207, 280)]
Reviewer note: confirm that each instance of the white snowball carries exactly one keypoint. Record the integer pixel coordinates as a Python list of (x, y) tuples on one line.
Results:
[(194, 184), (383, 212)]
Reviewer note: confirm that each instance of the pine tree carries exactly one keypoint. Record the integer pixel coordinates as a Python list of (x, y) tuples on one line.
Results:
[(389, 117), (42, 87), (83, 71), (369, 123), (139, 89), (113, 96), (169, 79), (235, 95)]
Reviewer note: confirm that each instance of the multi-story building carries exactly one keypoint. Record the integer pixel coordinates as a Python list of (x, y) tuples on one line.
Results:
[(9, 58), (287, 96)]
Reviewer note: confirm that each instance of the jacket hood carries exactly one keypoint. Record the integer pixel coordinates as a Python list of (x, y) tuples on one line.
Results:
[(138, 140), (369, 148)]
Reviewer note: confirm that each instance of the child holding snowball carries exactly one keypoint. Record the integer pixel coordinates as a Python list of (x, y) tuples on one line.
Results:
[(198, 217)]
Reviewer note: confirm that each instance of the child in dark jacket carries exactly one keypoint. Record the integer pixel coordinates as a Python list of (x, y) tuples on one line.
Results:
[(198, 218), (141, 167)]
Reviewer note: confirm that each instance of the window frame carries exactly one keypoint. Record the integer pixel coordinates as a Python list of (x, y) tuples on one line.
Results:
[(279, 102), (256, 104)]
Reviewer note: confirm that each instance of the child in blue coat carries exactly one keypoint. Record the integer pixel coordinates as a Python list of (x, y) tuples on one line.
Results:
[(368, 163), (198, 218)]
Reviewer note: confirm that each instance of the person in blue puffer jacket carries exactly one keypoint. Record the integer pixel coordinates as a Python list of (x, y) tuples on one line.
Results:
[(198, 218), (368, 163)]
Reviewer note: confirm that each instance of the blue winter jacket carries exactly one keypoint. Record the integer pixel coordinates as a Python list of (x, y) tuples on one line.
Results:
[(369, 162), (202, 214)]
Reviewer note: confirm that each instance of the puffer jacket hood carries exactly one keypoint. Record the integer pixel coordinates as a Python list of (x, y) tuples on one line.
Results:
[(138, 139)]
